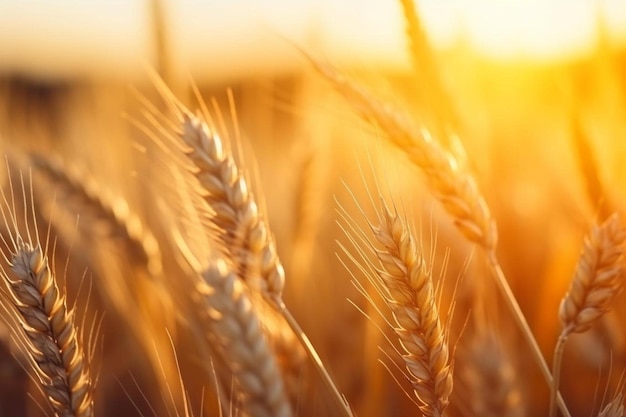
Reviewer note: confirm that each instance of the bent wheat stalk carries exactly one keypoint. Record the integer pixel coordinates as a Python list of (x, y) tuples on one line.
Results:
[(132, 280), (455, 189), (598, 279), (114, 212), (237, 219), (596, 191)]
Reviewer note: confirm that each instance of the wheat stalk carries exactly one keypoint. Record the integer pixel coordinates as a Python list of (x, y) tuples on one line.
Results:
[(52, 343), (243, 232), (595, 189), (233, 216), (233, 213), (455, 189), (235, 327), (103, 208), (237, 219), (133, 280), (598, 279), (411, 297), (404, 281)]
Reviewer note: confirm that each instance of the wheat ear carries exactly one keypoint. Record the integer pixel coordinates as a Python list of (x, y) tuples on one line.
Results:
[(411, 297), (235, 327), (106, 217), (52, 342), (404, 280), (243, 232), (230, 210), (490, 378), (598, 279), (237, 219), (83, 192), (455, 189), (233, 214)]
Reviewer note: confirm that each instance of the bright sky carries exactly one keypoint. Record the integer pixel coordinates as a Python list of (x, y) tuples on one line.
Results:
[(227, 39)]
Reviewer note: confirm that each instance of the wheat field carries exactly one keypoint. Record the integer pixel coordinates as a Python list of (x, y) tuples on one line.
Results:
[(443, 241)]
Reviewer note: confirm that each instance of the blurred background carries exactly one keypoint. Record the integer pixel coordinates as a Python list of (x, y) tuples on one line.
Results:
[(534, 90), (215, 41)]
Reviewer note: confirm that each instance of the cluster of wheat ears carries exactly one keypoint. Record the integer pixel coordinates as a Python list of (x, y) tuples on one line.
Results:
[(195, 288)]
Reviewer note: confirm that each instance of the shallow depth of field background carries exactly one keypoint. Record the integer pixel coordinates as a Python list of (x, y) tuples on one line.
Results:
[(524, 78)]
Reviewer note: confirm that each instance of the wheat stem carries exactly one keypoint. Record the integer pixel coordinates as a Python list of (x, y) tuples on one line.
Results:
[(522, 324), (556, 371), (338, 399)]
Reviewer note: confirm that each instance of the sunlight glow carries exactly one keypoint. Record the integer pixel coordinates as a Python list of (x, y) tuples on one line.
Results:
[(215, 39)]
